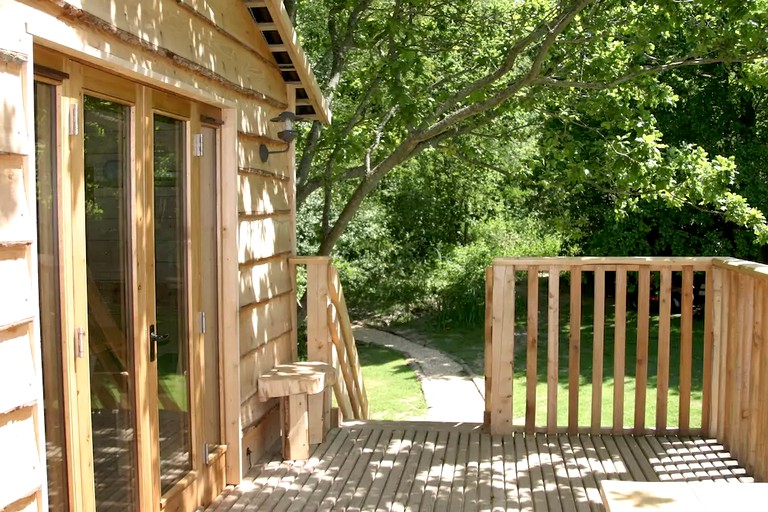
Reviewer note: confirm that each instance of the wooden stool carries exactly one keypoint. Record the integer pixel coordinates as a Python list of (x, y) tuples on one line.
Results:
[(292, 383)]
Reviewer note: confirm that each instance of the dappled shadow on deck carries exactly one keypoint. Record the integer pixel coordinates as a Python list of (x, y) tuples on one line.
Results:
[(456, 466)]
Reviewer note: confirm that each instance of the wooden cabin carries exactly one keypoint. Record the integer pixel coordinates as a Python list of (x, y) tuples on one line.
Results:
[(147, 223)]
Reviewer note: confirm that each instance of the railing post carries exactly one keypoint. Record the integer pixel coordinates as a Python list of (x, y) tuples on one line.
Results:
[(501, 371), (318, 341)]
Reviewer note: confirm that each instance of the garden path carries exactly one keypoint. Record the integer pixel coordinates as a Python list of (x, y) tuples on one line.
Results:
[(451, 394)]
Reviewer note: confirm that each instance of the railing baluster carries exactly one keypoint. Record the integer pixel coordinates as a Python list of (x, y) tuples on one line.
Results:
[(597, 349), (574, 352), (531, 373), (686, 350), (641, 357), (756, 345), (662, 368), (619, 349), (708, 381), (553, 345)]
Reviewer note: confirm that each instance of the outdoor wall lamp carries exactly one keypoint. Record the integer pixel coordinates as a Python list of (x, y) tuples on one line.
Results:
[(288, 135)]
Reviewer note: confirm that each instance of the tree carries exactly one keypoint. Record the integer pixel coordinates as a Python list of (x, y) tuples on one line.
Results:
[(405, 76)]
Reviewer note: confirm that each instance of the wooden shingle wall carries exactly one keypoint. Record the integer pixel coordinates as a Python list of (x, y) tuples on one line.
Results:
[(20, 371)]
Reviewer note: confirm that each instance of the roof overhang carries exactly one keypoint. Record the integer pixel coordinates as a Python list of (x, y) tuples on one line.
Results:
[(275, 24)]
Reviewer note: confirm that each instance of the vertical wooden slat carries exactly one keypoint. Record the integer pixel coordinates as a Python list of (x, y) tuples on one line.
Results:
[(318, 338), (641, 358), (531, 352), (686, 350), (707, 382), (723, 278), (503, 349), (619, 349), (597, 349), (662, 372), (755, 400), (732, 379), (761, 330), (488, 352), (746, 307), (553, 341), (574, 352)]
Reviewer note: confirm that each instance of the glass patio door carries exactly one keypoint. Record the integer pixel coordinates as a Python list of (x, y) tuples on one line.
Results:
[(129, 292)]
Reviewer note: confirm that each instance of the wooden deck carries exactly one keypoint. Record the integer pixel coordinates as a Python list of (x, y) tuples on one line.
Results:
[(398, 466)]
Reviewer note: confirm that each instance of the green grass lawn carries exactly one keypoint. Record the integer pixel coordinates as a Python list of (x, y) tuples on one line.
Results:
[(394, 391), (467, 344)]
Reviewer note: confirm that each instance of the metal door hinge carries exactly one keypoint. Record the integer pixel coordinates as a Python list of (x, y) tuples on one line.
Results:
[(80, 342), (202, 322), (198, 145)]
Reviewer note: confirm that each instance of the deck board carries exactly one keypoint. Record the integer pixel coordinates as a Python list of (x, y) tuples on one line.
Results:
[(412, 466)]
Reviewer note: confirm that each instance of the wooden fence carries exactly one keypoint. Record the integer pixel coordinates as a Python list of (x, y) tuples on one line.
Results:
[(621, 323), (329, 335)]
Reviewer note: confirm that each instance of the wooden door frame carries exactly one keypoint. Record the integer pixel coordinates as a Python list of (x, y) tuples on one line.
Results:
[(82, 80)]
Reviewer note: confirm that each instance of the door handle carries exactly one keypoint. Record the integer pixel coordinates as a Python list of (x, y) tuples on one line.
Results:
[(153, 339)]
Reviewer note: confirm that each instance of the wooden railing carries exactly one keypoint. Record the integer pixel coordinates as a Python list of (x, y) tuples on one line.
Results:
[(738, 416), (586, 343), (610, 341), (329, 335)]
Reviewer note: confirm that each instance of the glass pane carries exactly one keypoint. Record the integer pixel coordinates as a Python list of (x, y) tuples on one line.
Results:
[(170, 300), (50, 304), (208, 241), (107, 167)]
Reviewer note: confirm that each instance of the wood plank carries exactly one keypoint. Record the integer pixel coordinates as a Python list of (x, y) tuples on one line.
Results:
[(383, 470), (598, 340), (563, 494), (582, 489), (708, 370), (14, 208), (747, 310), (641, 357), (13, 136), (574, 351), (451, 471), (699, 263), (553, 344), (432, 485), (734, 375), (347, 492), (498, 497), (16, 275), (509, 472), (488, 345), (18, 377), (485, 482), (755, 402), (538, 482), (471, 489), (523, 471), (619, 350), (531, 351), (410, 469), (662, 371), (761, 338), (21, 462), (716, 389), (461, 484), (503, 349), (686, 350)]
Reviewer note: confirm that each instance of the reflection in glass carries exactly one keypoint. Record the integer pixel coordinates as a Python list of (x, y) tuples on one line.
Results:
[(170, 303), (50, 304), (107, 161)]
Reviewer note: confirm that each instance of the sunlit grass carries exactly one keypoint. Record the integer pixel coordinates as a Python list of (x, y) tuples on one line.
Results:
[(394, 391)]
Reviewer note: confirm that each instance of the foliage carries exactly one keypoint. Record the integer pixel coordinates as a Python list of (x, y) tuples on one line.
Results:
[(458, 282), (408, 77)]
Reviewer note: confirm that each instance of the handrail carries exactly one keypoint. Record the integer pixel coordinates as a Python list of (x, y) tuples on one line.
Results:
[(329, 334)]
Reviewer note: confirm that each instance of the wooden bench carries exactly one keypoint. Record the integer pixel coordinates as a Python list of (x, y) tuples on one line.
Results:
[(292, 384), (625, 496)]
